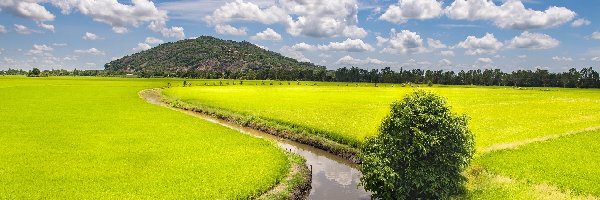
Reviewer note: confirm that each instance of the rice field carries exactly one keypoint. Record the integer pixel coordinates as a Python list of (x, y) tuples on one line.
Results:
[(532, 143), (350, 114), (94, 138)]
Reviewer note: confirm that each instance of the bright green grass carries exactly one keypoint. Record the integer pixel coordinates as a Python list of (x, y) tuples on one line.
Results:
[(571, 162), (94, 138), (498, 114)]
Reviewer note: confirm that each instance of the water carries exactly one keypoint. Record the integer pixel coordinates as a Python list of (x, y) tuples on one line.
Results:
[(332, 176)]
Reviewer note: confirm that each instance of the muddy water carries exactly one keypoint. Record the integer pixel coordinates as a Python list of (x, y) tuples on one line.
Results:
[(332, 177)]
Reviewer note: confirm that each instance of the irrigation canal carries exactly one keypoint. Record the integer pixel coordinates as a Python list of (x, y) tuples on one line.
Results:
[(332, 176)]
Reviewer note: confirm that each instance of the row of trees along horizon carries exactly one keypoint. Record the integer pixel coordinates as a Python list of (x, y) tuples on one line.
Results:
[(584, 78)]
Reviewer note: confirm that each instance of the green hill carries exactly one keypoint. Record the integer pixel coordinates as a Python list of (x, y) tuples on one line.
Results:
[(209, 57)]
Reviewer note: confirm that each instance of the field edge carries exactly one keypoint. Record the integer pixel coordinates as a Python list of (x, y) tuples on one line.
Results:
[(295, 185), (273, 127)]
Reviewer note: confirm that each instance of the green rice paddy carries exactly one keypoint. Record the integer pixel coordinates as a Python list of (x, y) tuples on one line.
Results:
[(563, 168), (94, 138)]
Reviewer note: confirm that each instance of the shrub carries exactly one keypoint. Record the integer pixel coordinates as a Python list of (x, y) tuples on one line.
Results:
[(420, 151)]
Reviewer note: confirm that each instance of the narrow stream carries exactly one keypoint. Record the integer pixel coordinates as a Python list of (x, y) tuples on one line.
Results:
[(332, 176)]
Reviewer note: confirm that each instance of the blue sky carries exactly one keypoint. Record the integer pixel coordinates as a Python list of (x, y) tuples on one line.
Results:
[(428, 34)]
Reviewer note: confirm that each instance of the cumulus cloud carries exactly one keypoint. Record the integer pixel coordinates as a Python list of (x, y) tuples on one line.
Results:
[(289, 52), (533, 41), (27, 9), (484, 61), (49, 27), (90, 36), (447, 53), (230, 30), (596, 35), (580, 22), (3, 29), (153, 40), (445, 62), (349, 60), (91, 51), (487, 44), (558, 58), (141, 47), (314, 18), (403, 42), (267, 34), (303, 47), (24, 30), (412, 9), (511, 14), (349, 45), (355, 32), (120, 16), (435, 44), (40, 50)]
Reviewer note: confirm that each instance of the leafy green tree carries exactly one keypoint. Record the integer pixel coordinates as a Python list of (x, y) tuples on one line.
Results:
[(35, 72), (420, 151)]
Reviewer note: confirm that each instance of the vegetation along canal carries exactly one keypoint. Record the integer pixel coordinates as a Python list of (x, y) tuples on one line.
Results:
[(332, 176)]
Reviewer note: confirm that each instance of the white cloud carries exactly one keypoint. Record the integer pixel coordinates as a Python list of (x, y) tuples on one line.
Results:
[(303, 47), (557, 58), (120, 16), (92, 51), (230, 30), (487, 44), (27, 9), (435, 44), (141, 47), (24, 30), (349, 45), (120, 30), (580, 22), (349, 60), (153, 40), (246, 11), (412, 9), (59, 44), (40, 50), (595, 59), (90, 36), (49, 27), (381, 40), (596, 35), (511, 14), (314, 18), (2, 29), (445, 62), (262, 47), (522, 56), (355, 32), (533, 41), (447, 53), (267, 34), (289, 52), (484, 61), (403, 42)]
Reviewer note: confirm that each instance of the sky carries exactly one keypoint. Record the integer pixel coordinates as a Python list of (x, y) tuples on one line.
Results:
[(371, 34)]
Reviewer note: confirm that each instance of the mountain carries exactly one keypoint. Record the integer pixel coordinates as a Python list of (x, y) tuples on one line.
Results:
[(210, 57)]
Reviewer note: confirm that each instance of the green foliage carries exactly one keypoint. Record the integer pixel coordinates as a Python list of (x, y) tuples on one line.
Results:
[(209, 57), (420, 151), (35, 72)]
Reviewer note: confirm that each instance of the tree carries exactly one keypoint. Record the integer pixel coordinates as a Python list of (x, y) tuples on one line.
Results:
[(420, 151), (35, 72)]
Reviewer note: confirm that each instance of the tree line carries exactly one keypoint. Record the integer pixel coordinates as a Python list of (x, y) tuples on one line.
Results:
[(573, 78)]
